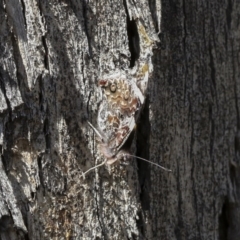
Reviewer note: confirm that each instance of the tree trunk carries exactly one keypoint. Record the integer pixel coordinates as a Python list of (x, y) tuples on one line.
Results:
[(52, 54)]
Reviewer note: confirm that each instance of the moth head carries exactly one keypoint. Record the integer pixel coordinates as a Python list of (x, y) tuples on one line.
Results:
[(119, 156), (106, 151)]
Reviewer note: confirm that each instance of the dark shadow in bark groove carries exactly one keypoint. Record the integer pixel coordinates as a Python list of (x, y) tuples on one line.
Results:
[(3, 89), (152, 7), (223, 222), (6, 223), (142, 146), (133, 38), (40, 169), (230, 210)]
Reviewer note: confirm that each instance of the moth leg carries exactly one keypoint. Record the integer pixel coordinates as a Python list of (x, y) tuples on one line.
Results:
[(90, 169), (95, 130)]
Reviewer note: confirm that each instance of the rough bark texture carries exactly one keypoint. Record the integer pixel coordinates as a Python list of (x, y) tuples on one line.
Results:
[(51, 56)]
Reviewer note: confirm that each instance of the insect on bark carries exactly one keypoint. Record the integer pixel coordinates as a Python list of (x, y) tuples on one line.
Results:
[(123, 97), (117, 116)]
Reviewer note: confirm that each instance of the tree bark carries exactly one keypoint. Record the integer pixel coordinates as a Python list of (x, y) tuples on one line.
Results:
[(52, 54)]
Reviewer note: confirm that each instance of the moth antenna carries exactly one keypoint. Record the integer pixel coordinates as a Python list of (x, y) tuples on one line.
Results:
[(90, 169), (166, 169), (96, 131)]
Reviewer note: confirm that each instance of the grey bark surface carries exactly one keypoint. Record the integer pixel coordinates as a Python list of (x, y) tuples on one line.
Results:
[(52, 54)]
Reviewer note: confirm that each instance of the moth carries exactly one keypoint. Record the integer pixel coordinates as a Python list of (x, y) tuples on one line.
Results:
[(117, 116), (123, 97)]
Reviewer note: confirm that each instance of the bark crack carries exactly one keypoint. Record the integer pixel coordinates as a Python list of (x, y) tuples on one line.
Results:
[(154, 7), (98, 210), (24, 13), (142, 150), (3, 88), (213, 90), (223, 222), (229, 13), (179, 219), (89, 97), (20, 69), (40, 170), (84, 11), (40, 96), (184, 49), (46, 60), (212, 67), (40, 8), (237, 136), (46, 133), (133, 38), (46, 55)]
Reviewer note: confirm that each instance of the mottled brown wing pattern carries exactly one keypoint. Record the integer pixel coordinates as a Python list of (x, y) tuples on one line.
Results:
[(116, 118), (120, 95)]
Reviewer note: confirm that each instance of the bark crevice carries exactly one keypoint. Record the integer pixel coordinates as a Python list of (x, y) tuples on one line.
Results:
[(2, 87), (223, 222), (133, 38), (40, 171), (21, 75), (85, 23), (46, 134), (24, 13), (229, 13), (142, 150), (46, 60)]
